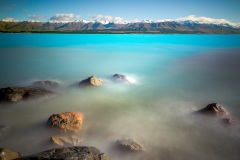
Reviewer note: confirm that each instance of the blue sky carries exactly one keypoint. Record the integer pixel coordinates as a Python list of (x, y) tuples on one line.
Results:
[(44, 10)]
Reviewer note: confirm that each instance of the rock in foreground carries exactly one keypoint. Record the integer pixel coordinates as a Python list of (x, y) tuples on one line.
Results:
[(120, 78), (91, 81), (67, 121), (7, 154), (70, 153), (15, 94), (130, 145), (45, 84), (214, 109)]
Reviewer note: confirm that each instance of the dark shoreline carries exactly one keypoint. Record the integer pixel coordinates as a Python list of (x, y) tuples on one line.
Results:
[(112, 32), (102, 32)]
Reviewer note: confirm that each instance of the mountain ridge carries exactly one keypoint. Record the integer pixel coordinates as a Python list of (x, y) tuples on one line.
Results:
[(110, 27)]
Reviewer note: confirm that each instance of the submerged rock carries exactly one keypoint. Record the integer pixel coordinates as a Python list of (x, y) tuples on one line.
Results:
[(69, 153), (214, 109), (61, 140), (130, 145), (91, 81), (228, 121), (46, 84), (3, 131), (219, 113), (67, 121), (120, 78), (15, 94), (7, 154)]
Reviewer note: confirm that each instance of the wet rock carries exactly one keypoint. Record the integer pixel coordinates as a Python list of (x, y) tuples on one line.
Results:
[(219, 113), (69, 153), (46, 84), (61, 140), (214, 109), (57, 140), (120, 78), (15, 94), (7, 154), (228, 121), (3, 131), (67, 121), (130, 145), (91, 81)]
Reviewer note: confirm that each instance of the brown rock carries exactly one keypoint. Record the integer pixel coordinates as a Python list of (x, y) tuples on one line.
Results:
[(214, 109), (228, 121), (15, 94), (46, 84), (218, 112), (57, 141), (69, 153), (91, 81), (120, 78), (130, 145), (61, 140), (68, 121), (7, 154)]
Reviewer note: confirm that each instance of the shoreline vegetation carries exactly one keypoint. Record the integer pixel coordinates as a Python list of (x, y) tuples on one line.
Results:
[(112, 28)]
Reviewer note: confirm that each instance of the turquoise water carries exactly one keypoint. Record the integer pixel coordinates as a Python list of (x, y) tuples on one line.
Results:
[(173, 75)]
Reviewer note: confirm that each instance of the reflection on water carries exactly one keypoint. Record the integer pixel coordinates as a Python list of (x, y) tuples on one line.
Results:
[(155, 110)]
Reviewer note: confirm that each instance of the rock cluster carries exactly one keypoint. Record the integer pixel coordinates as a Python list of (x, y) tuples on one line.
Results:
[(72, 122), (67, 121), (69, 153)]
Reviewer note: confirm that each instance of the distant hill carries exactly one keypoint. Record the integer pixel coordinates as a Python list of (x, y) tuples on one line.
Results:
[(139, 27)]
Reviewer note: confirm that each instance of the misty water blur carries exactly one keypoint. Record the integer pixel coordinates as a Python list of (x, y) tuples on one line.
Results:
[(173, 76)]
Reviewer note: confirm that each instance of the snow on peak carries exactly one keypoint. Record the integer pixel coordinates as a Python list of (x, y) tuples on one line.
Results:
[(206, 20)]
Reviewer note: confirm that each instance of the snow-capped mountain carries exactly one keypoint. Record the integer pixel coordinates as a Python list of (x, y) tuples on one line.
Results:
[(146, 26), (189, 22)]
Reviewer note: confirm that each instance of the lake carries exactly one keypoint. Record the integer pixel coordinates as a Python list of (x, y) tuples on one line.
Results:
[(172, 76)]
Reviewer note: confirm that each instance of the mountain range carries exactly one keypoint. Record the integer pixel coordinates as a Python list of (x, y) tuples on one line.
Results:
[(136, 27)]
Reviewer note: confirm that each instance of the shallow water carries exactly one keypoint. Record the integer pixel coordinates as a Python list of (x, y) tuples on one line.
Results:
[(174, 75)]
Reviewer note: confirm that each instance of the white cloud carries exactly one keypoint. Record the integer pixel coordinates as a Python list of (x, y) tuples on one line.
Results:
[(64, 17), (10, 20), (33, 21), (135, 21), (201, 20), (99, 16), (205, 20), (106, 19), (35, 17), (118, 20)]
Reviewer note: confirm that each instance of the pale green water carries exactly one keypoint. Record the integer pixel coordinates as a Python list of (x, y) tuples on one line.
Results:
[(175, 75)]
